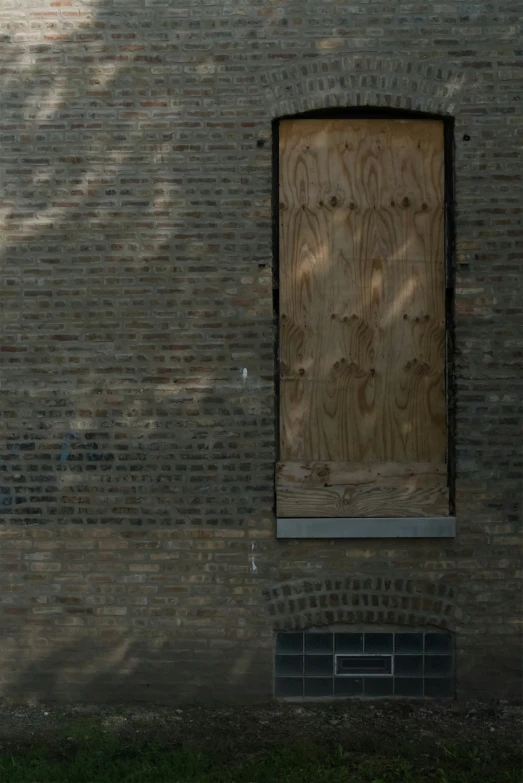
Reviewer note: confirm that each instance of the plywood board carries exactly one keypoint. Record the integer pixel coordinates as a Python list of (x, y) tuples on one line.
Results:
[(335, 489), (362, 323)]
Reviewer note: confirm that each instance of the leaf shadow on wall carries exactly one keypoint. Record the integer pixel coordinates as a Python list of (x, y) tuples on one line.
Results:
[(134, 401), (130, 359)]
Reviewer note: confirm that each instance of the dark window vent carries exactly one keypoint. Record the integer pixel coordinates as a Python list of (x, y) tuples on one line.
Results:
[(360, 665), (324, 665)]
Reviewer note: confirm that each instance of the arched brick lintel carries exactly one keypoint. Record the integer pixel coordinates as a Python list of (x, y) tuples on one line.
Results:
[(363, 600), (352, 81)]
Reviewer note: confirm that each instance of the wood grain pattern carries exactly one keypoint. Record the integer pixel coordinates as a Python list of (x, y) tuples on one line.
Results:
[(362, 325), (327, 489)]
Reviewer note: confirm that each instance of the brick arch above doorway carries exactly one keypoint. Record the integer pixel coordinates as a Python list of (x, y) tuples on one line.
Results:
[(352, 81)]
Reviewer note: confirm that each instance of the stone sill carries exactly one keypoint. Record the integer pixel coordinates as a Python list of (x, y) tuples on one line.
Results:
[(367, 527)]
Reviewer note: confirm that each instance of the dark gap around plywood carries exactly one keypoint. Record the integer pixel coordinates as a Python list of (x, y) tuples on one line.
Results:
[(365, 113), (276, 289), (450, 247)]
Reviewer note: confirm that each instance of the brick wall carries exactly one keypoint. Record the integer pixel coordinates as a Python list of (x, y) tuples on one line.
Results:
[(138, 437)]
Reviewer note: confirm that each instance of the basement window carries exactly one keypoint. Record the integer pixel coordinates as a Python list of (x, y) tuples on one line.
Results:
[(364, 304), (364, 664)]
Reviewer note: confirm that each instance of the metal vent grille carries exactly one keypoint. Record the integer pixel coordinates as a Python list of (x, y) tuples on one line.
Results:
[(402, 664)]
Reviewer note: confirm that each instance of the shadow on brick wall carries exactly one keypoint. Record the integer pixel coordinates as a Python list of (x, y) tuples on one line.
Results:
[(137, 349), (139, 366), (121, 670)]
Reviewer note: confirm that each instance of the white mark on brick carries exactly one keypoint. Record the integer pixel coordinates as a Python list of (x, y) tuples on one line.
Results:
[(254, 567), (454, 85), (244, 374)]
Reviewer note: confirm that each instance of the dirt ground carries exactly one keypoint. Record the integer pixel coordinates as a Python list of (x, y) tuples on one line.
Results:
[(352, 723)]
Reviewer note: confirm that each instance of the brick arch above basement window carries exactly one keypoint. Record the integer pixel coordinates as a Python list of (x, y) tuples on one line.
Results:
[(366, 599)]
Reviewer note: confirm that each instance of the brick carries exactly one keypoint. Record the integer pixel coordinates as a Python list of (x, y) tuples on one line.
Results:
[(136, 475)]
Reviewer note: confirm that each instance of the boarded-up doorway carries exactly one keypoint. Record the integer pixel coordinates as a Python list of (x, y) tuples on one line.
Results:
[(362, 329)]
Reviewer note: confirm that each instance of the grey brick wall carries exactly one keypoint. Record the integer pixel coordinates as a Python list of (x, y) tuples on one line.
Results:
[(136, 483)]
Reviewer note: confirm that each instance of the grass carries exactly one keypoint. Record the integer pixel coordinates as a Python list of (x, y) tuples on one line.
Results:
[(86, 753)]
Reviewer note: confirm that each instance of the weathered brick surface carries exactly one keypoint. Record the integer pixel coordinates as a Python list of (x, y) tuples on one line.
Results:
[(138, 430)]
